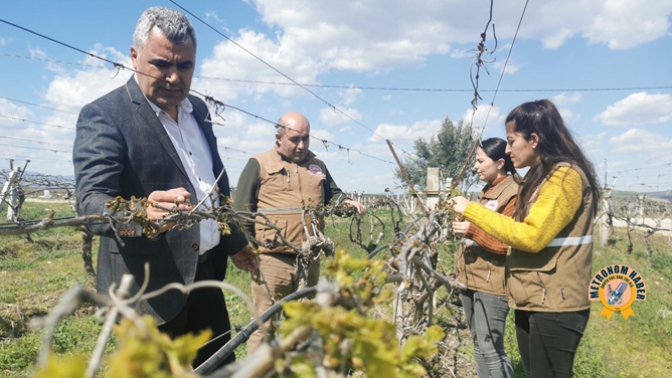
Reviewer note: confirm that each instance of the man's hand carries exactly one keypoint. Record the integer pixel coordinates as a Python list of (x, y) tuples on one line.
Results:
[(245, 260), (166, 199), (361, 209), (461, 228)]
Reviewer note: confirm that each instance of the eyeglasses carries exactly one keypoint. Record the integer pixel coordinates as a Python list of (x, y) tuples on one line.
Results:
[(297, 139)]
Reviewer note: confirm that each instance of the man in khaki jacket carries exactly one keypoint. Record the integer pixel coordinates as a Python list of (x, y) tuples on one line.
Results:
[(279, 183)]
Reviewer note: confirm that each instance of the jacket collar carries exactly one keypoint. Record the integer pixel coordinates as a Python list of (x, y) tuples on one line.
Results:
[(498, 187)]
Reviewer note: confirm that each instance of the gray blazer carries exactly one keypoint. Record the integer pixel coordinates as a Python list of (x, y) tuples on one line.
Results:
[(121, 149)]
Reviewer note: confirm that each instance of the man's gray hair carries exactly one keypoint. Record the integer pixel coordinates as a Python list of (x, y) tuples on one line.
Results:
[(174, 25)]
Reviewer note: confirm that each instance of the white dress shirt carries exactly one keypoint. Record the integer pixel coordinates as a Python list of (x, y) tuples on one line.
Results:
[(194, 152)]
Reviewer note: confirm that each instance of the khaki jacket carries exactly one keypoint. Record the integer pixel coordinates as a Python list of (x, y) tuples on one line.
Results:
[(556, 279), (478, 269), (285, 188)]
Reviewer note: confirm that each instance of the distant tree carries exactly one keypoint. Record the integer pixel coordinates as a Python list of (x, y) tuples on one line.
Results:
[(448, 151)]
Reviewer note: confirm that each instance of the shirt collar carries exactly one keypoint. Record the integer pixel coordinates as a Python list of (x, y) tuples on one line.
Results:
[(184, 106)]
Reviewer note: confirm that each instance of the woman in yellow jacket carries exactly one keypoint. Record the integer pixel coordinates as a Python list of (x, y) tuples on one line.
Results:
[(549, 266), (479, 262)]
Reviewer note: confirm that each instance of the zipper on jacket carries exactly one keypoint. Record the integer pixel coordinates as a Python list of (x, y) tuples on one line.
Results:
[(543, 289), (298, 177)]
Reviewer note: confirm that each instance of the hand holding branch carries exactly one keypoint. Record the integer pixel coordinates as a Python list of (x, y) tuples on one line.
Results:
[(167, 199), (459, 204), (361, 209), (245, 260)]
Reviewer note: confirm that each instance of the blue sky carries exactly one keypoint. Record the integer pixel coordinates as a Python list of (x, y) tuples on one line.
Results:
[(564, 51)]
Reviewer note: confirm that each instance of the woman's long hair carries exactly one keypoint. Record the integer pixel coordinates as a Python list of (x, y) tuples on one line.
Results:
[(556, 145), (495, 149)]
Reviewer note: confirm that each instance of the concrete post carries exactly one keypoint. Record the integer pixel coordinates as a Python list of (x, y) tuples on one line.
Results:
[(432, 188)]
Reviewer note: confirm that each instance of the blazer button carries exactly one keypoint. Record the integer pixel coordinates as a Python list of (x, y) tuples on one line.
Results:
[(195, 246)]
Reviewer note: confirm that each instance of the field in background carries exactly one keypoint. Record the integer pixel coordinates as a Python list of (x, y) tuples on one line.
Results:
[(34, 274)]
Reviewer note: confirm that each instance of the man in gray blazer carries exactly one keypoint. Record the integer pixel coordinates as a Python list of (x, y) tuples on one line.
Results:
[(150, 138)]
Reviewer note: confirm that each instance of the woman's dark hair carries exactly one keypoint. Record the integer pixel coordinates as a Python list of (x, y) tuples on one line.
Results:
[(495, 148), (556, 145)]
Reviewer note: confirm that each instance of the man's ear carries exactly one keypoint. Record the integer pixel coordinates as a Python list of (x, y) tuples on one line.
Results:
[(534, 140), (278, 137), (134, 57)]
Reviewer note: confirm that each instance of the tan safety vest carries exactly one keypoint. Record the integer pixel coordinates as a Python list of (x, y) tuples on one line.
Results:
[(476, 268), (285, 188), (556, 279)]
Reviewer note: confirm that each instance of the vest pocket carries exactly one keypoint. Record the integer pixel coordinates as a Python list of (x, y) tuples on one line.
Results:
[(529, 274), (278, 180), (543, 261), (269, 235)]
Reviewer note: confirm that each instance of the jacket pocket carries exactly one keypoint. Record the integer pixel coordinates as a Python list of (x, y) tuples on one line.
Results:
[(136, 246), (278, 178), (544, 261), (269, 235), (530, 274)]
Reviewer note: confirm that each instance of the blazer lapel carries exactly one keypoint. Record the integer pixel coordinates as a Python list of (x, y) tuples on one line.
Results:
[(153, 124)]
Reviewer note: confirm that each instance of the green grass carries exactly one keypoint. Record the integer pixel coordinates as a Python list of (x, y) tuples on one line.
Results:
[(34, 275), (638, 347)]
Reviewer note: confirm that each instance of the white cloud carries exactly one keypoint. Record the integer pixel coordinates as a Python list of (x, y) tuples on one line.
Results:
[(638, 109), (321, 134), (331, 117), (345, 36), (9, 109), (569, 116), (627, 23), (73, 89), (620, 24), (37, 53), (313, 38), (387, 97), (593, 146), (421, 129), (350, 95), (566, 99), (229, 61), (491, 113), (212, 16), (510, 67), (260, 131), (3, 41), (642, 141)]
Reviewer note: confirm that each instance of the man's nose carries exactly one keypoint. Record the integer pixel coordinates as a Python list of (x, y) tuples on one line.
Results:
[(172, 77)]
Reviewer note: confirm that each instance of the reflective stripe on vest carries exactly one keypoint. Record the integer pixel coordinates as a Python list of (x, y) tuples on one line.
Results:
[(280, 209), (577, 240), (469, 242)]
